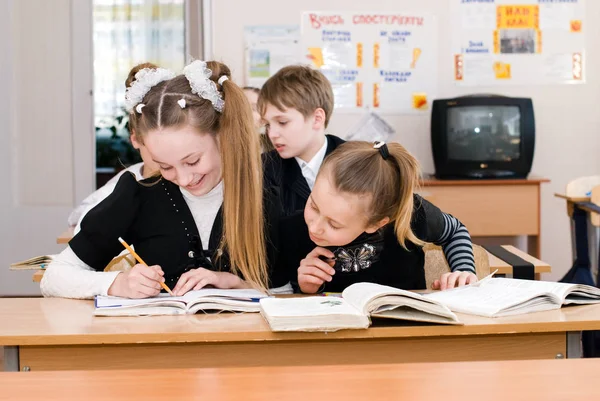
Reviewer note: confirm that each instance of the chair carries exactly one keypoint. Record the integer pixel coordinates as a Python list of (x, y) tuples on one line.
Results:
[(436, 264)]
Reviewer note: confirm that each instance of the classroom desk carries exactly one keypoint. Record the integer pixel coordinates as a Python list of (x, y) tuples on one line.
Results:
[(61, 334), (495, 264), (65, 237), (460, 381), (491, 207)]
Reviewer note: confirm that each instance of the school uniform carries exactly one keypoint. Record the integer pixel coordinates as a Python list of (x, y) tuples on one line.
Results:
[(379, 257), (166, 225), (293, 177)]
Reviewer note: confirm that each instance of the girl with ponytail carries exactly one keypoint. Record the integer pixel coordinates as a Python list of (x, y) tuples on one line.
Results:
[(201, 220), (363, 222)]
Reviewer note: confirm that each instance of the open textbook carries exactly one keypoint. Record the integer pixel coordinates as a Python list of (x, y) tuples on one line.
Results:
[(35, 263), (495, 297), (201, 300), (353, 309)]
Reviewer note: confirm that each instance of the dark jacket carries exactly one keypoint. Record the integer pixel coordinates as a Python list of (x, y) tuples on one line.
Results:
[(286, 176)]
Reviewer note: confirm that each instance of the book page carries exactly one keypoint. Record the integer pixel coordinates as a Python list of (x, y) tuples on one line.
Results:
[(488, 299), (359, 295), (306, 307), (560, 290)]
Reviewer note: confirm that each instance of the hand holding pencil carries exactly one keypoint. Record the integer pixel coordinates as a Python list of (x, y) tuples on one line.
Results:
[(142, 281)]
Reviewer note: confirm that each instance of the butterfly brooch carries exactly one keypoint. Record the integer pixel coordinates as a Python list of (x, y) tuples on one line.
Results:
[(355, 260)]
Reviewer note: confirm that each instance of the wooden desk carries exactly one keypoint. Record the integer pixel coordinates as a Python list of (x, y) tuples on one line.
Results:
[(471, 381), (61, 334), (65, 237), (492, 208)]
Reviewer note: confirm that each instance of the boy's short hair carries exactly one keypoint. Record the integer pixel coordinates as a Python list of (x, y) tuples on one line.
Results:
[(299, 87)]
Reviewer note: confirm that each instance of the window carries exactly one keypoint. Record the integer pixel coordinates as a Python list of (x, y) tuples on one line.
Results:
[(126, 33)]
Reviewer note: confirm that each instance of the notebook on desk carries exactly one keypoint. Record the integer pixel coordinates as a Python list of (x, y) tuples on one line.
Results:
[(207, 300), (35, 263)]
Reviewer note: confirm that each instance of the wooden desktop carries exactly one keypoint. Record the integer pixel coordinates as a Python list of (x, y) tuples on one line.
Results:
[(470, 381), (61, 334)]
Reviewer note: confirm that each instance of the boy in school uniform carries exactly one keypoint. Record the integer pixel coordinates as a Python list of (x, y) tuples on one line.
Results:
[(296, 103)]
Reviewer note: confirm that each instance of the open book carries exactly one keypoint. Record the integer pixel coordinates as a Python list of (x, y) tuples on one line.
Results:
[(353, 309), (495, 297), (201, 300), (35, 263)]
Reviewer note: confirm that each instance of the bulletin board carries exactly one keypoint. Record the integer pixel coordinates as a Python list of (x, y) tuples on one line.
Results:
[(499, 42), (380, 61)]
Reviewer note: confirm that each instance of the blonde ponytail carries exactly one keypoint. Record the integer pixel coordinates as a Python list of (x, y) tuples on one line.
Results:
[(243, 226)]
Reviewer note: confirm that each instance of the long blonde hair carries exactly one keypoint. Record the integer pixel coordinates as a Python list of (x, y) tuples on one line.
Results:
[(243, 220), (357, 168)]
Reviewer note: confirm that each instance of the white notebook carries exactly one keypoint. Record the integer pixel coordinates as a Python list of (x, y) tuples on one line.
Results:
[(209, 300)]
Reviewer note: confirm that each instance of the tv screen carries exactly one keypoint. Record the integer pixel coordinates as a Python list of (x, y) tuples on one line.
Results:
[(484, 133)]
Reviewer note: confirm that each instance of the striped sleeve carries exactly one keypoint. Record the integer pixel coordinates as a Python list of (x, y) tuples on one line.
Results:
[(456, 244)]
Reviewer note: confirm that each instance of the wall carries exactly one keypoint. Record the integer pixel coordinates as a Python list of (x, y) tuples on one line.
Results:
[(46, 133), (567, 117)]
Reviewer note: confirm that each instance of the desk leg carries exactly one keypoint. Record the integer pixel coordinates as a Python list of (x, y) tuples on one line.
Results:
[(11, 359), (574, 349), (593, 238), (534, 245)]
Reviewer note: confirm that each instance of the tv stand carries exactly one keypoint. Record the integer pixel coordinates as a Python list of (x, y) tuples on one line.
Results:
[(491, 207), (484, 175)]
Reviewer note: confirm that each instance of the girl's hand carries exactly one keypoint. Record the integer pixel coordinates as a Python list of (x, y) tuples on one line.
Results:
[(454, 279), (140, 281), (313, 271), (199, 278)]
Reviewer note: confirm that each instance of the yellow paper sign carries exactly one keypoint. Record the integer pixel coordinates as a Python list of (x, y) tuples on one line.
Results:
[(359, 94), (419, 101), (315, 54), (576, 25), (502, 70), (518, 17), (376, 55), (359, 54), (416, 54)]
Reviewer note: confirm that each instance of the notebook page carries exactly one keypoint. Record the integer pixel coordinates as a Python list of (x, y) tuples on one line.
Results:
[(241, 294), (103, 301)]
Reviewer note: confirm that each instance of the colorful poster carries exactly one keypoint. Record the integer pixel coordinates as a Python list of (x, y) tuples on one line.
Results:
[(379, 61), (518, 41), (268, 48)]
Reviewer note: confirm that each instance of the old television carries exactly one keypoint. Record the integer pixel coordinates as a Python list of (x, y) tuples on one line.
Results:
[(482, 136)]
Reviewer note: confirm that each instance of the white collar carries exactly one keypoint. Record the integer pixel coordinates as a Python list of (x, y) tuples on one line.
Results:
[(213, 194), (315, 163)]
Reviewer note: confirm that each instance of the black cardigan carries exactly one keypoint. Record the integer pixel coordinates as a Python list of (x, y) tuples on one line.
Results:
[(286, 175), (152, 215)]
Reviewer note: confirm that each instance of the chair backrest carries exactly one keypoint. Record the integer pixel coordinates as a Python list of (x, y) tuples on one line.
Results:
[(436, 264), (582, 186)]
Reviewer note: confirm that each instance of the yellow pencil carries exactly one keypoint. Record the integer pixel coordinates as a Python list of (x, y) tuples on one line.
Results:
[(137, 257)]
